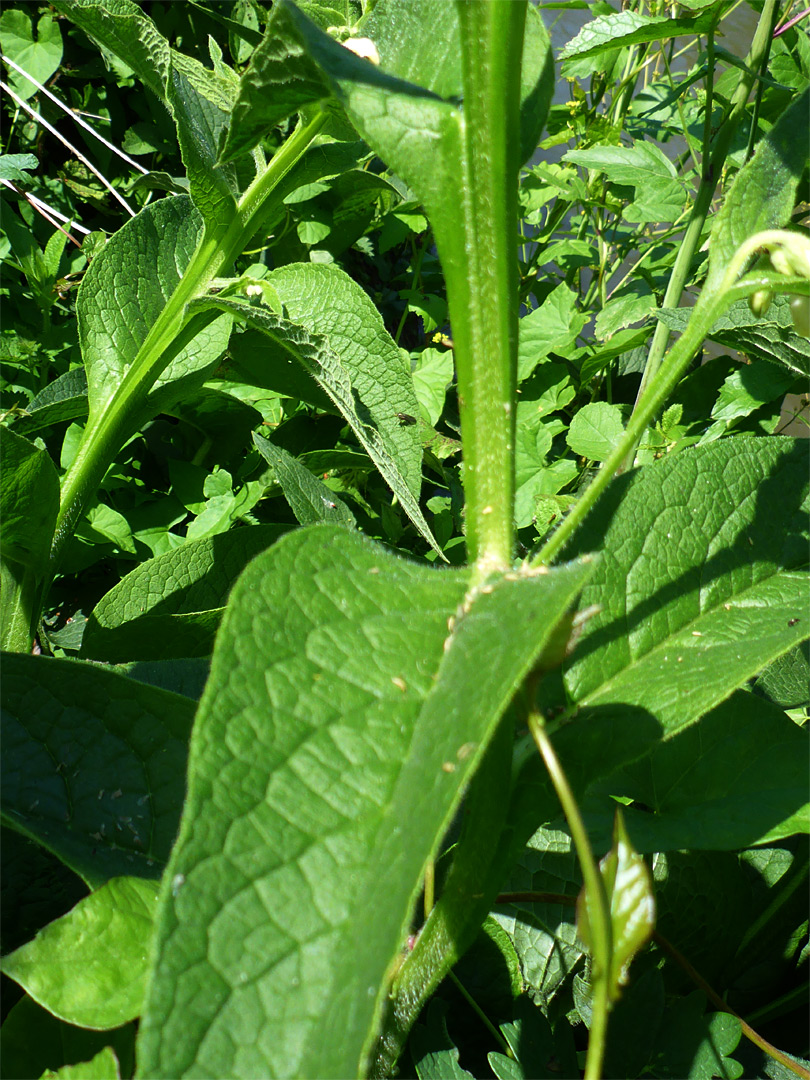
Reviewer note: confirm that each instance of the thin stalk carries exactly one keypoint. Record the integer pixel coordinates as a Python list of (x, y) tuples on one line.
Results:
[(483, 293), (482, 1016), (598, 907), (713, 161), (217, 250)]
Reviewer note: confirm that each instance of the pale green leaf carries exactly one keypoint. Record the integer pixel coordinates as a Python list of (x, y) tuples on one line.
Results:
[(38, 53), (552, 327), (431, 378), (631, 902), (104, 790), (311, 501), (89, 967), (595, 430), (104, 1066), (608, 32)]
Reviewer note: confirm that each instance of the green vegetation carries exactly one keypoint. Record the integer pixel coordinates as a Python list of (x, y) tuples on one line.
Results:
[(380, 547)]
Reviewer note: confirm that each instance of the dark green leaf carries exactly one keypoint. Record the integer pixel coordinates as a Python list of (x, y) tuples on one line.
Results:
[(170, 607), (104, 1066), (29, 488), (103, 789), (311, 501), (63, 399)]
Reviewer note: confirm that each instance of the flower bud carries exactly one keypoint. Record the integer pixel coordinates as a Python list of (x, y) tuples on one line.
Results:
[(800, 310), (759, 302)]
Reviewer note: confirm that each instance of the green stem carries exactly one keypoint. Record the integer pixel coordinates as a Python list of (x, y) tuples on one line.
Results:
[(598, 907), (219, 246), (483, 286), (713, 162)]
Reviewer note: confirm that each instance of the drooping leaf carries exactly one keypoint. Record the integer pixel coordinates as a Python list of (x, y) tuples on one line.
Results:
[(631, 902), (392, 447), (349, 759), (29, 488), (311, 501), (124, 291), (104, 791), (89, 967), (171, 606)]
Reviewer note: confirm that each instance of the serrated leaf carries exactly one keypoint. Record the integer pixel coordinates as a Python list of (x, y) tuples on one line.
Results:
[(89, 966), (124, 291), (104, 1066), (29, 490), (552, 327), (736, 779), (342, 759), (311, 501), (608, 32), (124, 735), (595, 430), (631, 902), (764, 192), (171, 606)]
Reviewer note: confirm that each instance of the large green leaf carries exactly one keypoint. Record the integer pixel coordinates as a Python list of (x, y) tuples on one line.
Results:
[(89, 967), (125, 290), (338, 728), (608, 32), (29, 490), (702, 584), (736, 779), (171, 606), (92, 765)]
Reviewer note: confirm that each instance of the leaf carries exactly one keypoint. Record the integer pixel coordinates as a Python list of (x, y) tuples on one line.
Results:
[(185, 676), (693, 1045), (631, 902), (736, 779), (103, 792), (316, 355), (764, 192), (643, 166), (63, 399), (40, 55), (434, 1053), (89, 967), (15, 167), (29, 490), (104, 1066), (333, 762), (595, 430), (541, 1054), (608, 32), (786, 681), (33, 1041), (431, 378), (173, 603), (552, 327), (311, 501), (702, 584), (773, 338), (749, 387), (121, 27), (124, 291)]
